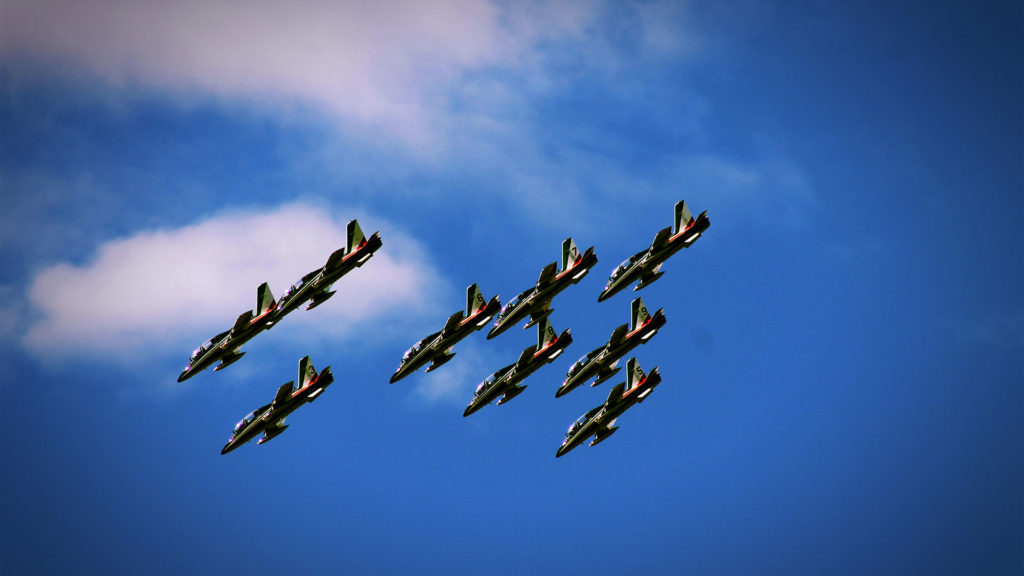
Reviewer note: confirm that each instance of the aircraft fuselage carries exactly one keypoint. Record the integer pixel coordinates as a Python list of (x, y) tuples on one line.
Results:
[(612, 352)]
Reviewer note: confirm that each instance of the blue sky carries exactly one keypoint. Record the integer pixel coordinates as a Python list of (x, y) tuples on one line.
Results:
[(842, 361)]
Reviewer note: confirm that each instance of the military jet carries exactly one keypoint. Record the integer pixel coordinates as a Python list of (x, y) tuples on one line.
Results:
[(505, 382), (600, 421), (225, 346), (315, 287), (269, 419), (601, 362), (436, 348), (536, 301), (645, 265)]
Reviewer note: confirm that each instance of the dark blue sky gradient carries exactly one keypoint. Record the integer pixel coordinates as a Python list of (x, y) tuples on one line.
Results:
[(843, 378)]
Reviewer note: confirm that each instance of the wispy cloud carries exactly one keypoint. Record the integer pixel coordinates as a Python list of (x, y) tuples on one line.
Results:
[(142, 294), (402, 67), (455, 382)]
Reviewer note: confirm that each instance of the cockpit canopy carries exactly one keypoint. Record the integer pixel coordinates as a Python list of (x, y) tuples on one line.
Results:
[(293, 288), (511, 304), (624, 265), (485, 384), (250, 418), (581, 421), (583, 361), (418, 346), (207, 345)]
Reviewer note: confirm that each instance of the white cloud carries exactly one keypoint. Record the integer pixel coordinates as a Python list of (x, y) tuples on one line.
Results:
[(142, 294), (377, 63), (393, 65)]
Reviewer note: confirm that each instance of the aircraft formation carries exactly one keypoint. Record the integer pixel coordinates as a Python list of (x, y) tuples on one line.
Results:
[(436, 349)]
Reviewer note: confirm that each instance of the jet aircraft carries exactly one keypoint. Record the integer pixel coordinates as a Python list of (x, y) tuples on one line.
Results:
[(505, 382), (645, 265), (269, 419), (315, 287), (601, 362), (536, 301), (599, 422), (225, 346), (436, 348)]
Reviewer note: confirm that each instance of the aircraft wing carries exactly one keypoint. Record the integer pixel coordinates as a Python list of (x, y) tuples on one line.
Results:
[(335, 259), (524, 358), (662, 238), (282, 395), (242, 323), (618, 334), (547, 275), (452, 324), (615, 395), (650, 275), (539, 310)]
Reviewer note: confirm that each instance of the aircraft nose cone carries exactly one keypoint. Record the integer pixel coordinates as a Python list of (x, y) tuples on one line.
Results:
[(184, 376), (469, 410)]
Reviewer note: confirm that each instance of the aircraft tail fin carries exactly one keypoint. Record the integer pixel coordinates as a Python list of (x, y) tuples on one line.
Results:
[(307, 373), (638, 314), (355, 236), (545, 334), (634, 373), (683, 217), (570, 254), (474, 300), (264, 299)]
